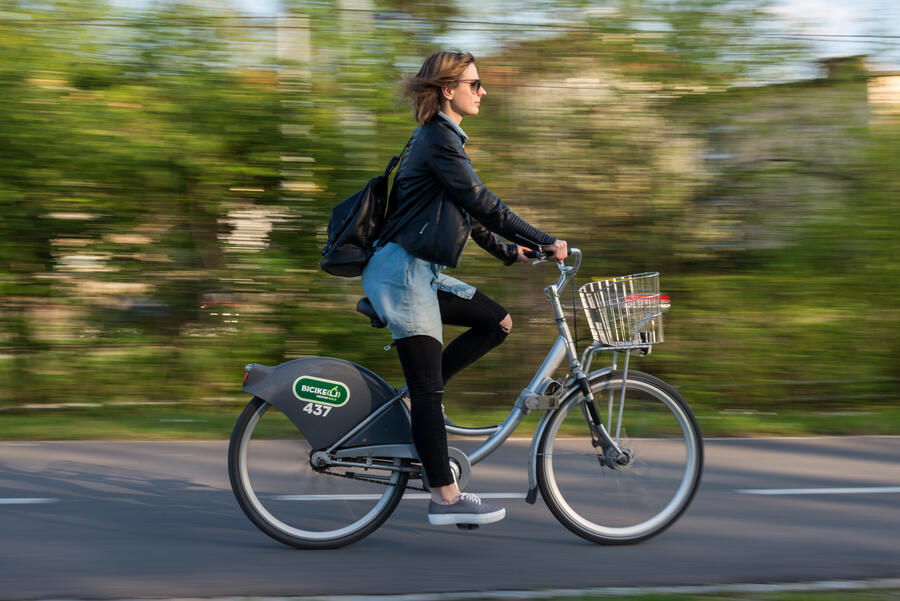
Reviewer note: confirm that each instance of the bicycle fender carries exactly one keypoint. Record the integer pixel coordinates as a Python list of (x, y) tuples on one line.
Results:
[(571, 390), (326, 397)]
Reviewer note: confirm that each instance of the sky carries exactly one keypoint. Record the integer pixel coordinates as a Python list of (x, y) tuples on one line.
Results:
[(839, 23), (847, 18)]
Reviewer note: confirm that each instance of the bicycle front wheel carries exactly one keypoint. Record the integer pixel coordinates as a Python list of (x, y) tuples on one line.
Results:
[(277, 487), (615, 502)]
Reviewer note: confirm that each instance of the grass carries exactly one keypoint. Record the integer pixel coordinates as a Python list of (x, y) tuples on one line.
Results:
[(214, 421), (167, 422)]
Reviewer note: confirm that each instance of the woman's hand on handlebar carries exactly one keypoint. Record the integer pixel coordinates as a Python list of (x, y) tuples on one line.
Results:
[(525, 254), (559, 250)]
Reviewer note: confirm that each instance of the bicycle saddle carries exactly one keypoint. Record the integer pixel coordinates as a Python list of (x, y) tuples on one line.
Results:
[(365, 307)]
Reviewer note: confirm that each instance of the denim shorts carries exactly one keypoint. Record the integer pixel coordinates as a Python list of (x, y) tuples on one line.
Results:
[(403, 290)]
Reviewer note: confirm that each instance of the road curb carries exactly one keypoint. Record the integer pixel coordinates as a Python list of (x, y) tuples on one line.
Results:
[(705, 589), (710, 589)]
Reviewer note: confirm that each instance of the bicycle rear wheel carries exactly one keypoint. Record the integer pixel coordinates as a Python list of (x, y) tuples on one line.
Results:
[(601, 500), (277, 487)]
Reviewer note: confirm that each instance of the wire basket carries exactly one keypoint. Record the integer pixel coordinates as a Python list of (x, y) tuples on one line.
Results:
[(624, 312)]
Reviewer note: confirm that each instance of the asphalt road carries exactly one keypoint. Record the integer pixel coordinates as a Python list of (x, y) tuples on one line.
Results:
[(114, 520)]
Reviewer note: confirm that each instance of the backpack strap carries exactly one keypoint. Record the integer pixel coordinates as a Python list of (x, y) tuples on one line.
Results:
[(391, 164), (395, 160), (385, 235)]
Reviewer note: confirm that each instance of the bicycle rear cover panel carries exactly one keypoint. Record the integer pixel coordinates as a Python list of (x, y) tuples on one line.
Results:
[(326, 397)]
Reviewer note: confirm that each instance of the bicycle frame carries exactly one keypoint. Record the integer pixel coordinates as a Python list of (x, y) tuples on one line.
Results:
[(369, 439), (563, 349)]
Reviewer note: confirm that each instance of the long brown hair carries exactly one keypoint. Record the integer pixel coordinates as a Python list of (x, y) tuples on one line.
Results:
[(440, 70)]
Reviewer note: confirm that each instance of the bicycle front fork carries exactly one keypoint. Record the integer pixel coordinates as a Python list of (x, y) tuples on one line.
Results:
[(600, 436)]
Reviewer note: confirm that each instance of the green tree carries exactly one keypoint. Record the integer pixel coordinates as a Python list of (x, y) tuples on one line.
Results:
[(128, 149)]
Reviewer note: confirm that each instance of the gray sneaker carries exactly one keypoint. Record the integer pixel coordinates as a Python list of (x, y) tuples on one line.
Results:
[(468, 509)]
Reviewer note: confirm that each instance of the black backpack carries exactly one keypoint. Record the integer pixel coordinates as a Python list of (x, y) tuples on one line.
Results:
[(355, 226)]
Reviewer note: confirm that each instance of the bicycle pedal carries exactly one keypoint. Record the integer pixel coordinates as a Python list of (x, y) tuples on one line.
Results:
[(467, 526)]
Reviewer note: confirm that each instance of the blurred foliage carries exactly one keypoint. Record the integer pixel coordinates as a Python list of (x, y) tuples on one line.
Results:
[(167, 175)]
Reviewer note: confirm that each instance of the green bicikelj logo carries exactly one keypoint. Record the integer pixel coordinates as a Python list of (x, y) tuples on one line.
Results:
[(319, 390)]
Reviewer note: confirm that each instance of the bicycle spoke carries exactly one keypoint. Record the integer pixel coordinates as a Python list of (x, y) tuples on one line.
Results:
[(603, 498), (296, 504)]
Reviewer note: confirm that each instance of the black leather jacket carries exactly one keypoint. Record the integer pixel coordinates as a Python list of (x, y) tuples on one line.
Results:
[(437, 201)]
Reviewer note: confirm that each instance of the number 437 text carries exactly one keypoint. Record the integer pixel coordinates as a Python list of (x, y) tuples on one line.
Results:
[(317, 410)]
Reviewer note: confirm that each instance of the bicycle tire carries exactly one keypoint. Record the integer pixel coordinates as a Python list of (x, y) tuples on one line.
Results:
[(277, 488), (628, 504)]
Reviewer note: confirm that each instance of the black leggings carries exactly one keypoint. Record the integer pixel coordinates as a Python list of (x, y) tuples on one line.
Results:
[(426, 369)]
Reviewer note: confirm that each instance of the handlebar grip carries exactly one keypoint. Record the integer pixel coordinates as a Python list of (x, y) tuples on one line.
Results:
[(542, 252)]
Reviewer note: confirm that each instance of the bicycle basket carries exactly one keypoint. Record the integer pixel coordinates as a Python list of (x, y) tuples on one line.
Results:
[(624, 312)]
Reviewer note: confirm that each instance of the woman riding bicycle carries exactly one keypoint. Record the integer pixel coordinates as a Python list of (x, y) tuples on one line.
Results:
[(441, 202)]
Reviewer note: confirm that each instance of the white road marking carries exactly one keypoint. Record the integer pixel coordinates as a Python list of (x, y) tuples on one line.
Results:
[(860, 490), (26, 501), (372, 497)]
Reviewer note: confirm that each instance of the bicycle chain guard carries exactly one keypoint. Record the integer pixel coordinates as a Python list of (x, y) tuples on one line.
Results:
[(460, 468)]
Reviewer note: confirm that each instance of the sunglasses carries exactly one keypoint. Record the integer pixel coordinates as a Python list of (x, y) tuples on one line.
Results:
[(475, 84)]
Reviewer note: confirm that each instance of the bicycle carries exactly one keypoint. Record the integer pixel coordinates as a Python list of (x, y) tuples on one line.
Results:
[(323, 453)]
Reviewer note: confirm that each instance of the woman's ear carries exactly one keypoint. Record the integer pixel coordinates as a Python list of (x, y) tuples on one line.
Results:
[(447, 93)]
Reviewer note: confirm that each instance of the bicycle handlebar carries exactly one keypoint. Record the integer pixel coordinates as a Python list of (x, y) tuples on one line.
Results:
[(567, 272)]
